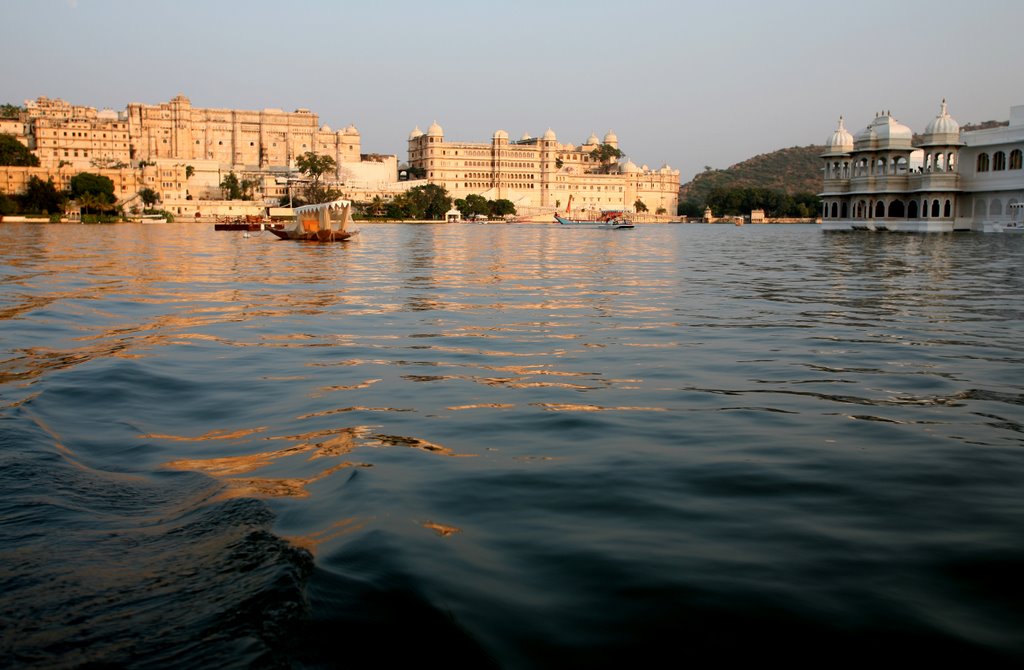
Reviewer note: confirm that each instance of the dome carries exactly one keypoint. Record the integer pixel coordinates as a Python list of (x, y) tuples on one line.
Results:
[(629, 166), (435, 130), (549, 135), (325, 128), (885, 132), (525, 137), (416, 132), (841, 140), (943, 129), (500, 135), (351, 130), (592, 140), (611, 138)]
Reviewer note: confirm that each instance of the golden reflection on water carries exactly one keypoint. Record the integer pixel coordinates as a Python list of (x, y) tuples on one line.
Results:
[(339, 528), (216, 434), (571, 407), (441, 529), (284, 487), (332, 444)]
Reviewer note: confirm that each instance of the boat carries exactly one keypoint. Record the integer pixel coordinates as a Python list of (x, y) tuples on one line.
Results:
[(323, 222), (608, 218)]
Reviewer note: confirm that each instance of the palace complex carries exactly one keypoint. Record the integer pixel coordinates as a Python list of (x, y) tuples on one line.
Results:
[(541, 173), (946, 179), (184, 152), (153, 146)]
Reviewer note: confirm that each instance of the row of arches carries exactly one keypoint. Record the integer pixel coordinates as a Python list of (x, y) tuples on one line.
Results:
[(998, 161), (893, 209), (994, 207), (938, 161)]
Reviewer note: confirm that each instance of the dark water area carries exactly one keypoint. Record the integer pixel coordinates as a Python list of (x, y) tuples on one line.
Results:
[(509, 446)]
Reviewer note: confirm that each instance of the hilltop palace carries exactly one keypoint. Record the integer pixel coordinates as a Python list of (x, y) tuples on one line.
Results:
[(879, 179), (183, 153)]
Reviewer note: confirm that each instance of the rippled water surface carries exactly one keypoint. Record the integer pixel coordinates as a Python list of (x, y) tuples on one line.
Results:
[(512, 446)]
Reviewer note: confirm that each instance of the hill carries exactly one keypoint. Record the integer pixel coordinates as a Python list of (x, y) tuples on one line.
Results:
[(783, 182), (792, 171)]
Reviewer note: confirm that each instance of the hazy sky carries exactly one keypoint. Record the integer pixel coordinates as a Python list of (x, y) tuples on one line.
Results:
[(690, 84)]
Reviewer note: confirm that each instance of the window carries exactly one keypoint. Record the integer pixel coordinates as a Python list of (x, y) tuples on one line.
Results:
[(998, 161), (1015, 159), (983, 162)]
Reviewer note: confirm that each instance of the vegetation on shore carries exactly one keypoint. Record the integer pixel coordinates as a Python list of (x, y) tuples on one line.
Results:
[(783, 183), (13, 152)]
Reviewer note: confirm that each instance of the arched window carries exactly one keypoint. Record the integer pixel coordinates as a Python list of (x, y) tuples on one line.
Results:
[(879, 209), (835, 210), (1015, 159), (982, 162), (980, 208), (912, 210), (947, 211), (998, 161), (924, 209), (935, 208), (844, 211), (996, 208), (896, 209)]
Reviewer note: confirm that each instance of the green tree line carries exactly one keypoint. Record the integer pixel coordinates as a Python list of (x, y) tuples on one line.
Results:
[(725, 201), (94, 194), (477, 205)]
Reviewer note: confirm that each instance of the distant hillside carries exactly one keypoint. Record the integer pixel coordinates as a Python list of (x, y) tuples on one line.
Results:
[(984, 125), (794, 170)]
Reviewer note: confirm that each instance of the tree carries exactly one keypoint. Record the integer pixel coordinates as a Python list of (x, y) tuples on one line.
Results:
[(501, 207), (639, 205), (9, 111), (472, 205), (231, 187), (41, 197), (93, 184), (315, 167), (605, 154), (189, 171), (149, 196), (429, 201), (248, 187), (8, 205), (13, 152)]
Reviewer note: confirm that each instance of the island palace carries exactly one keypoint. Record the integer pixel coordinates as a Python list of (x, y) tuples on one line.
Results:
[(946, 180)]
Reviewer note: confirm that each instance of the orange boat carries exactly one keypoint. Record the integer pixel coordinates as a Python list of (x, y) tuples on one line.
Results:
[(323, 222)]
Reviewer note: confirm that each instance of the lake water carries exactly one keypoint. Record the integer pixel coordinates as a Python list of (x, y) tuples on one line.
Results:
[(509, 446)]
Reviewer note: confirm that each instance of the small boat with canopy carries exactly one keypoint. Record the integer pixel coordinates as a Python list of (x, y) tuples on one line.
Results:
[(323, 222), (608, 218)]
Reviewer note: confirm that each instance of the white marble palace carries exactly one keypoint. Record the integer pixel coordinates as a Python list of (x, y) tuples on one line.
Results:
[(948, 180)]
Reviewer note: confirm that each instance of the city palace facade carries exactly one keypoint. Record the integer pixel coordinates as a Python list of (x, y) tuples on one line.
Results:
[(540, 173)]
